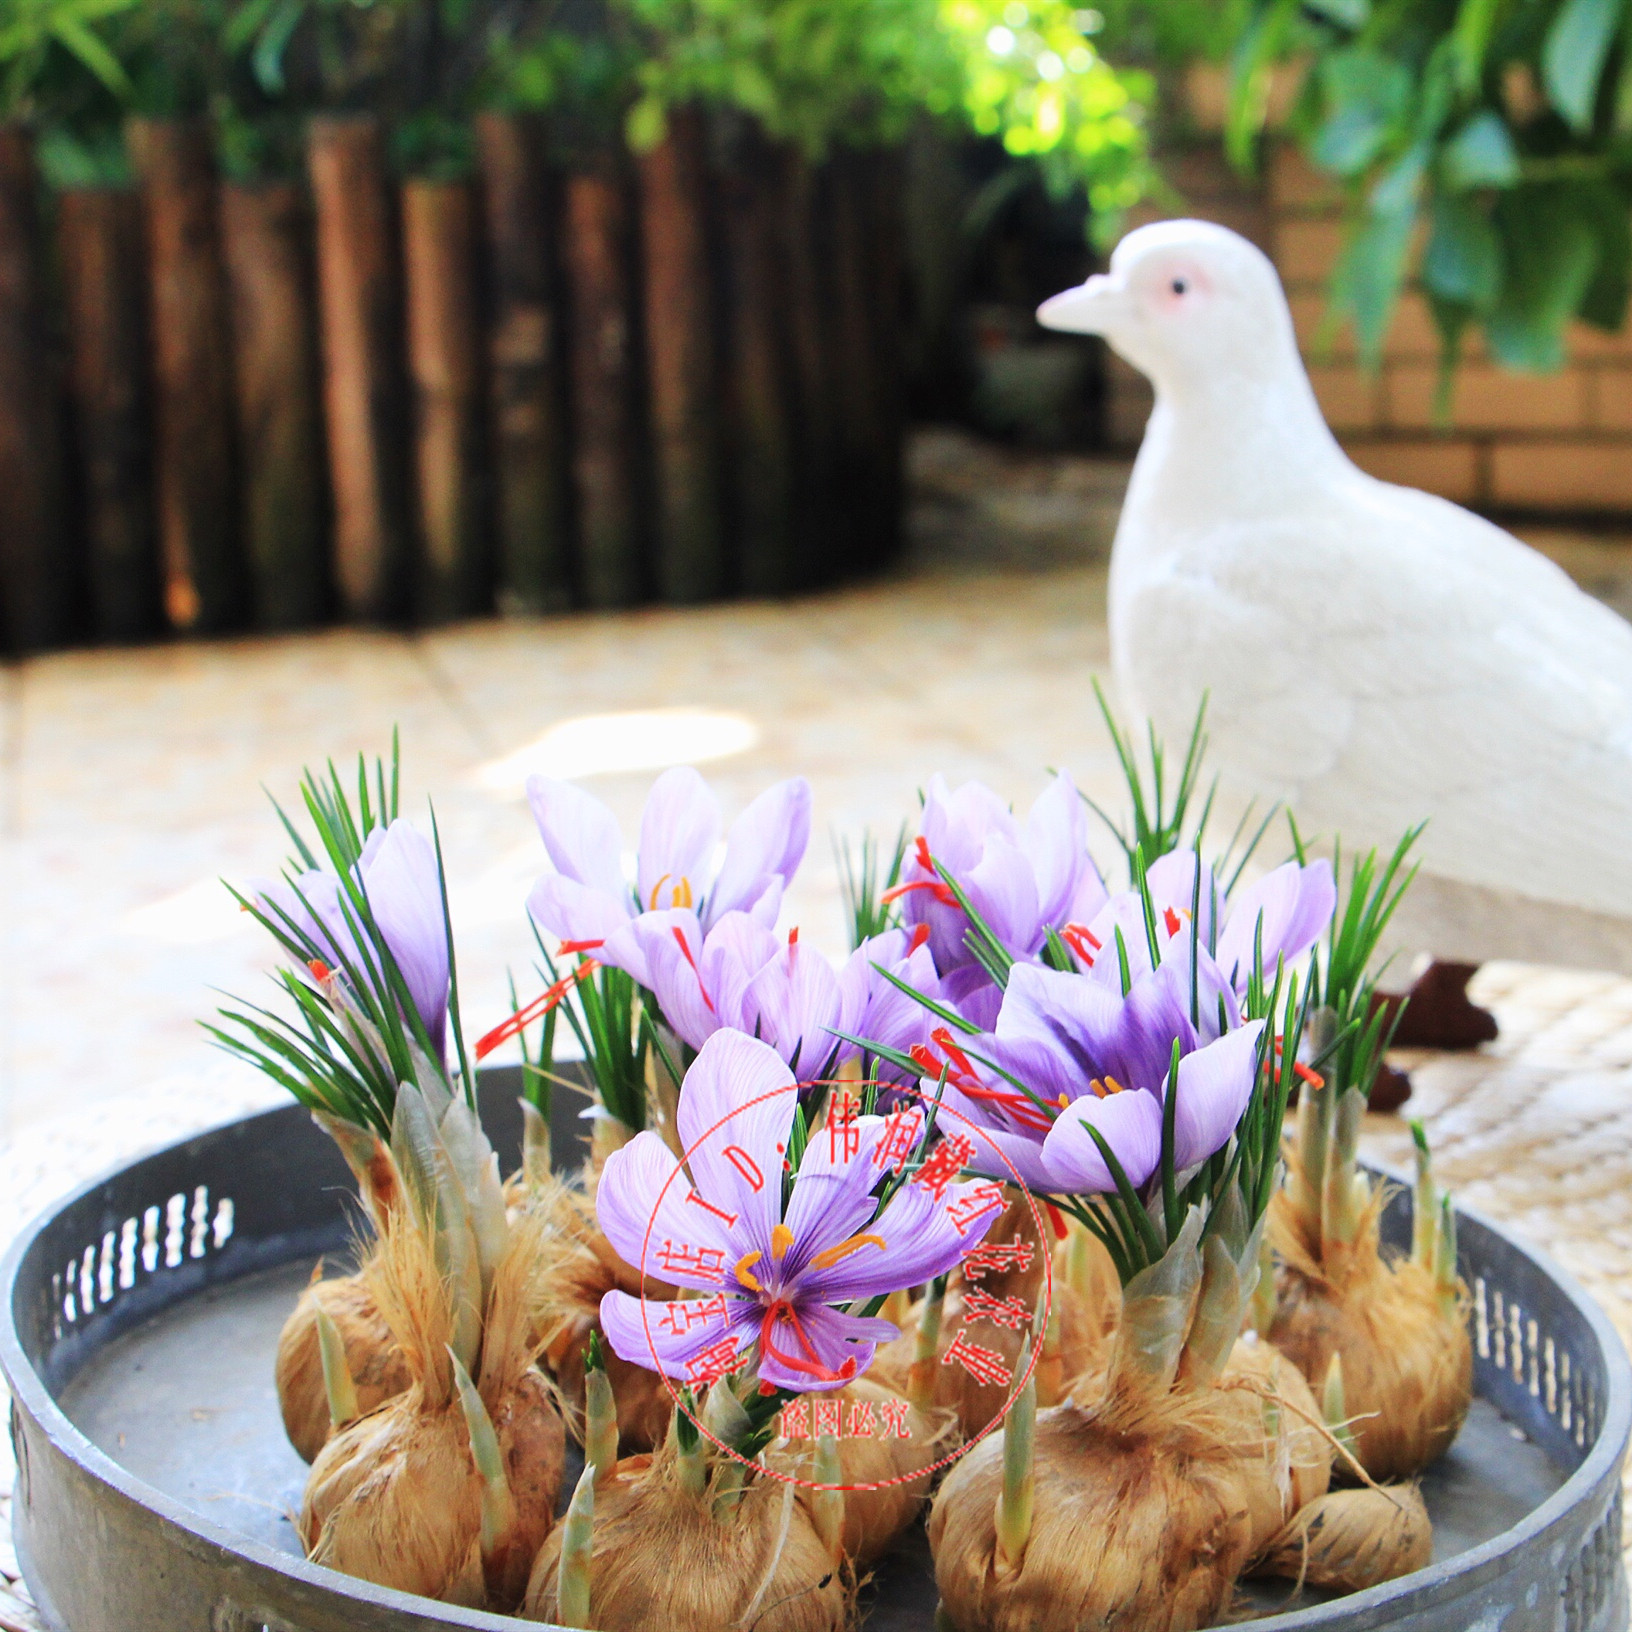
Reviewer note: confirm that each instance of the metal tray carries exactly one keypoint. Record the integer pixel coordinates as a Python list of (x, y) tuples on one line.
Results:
[(138, 1320)]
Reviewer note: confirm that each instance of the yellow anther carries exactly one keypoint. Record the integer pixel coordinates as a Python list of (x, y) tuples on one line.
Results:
[(825, 1260), (781, 1240), (743, 1270)]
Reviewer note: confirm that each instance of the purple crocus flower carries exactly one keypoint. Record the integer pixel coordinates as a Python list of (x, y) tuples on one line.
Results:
[(1023, 879), (1063, 1040), (1293, 903), (402, 884), (1214, 1084), (740, 976), (771, 1277), (584, 899)]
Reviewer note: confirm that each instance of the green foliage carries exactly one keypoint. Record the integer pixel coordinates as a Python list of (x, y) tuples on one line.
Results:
[(1486, 146), (863, 882), (43, 42)]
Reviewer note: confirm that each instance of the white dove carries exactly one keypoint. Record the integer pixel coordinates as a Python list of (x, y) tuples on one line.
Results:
[(1374, 655)]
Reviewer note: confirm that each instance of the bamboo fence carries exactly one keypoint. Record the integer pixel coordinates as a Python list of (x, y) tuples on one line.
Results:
[(676, 375)]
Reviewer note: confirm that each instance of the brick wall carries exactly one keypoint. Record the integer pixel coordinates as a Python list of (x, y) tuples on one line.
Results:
[(1556, 443)]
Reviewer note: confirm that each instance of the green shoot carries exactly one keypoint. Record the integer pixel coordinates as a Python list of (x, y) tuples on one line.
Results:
[(862, 885)]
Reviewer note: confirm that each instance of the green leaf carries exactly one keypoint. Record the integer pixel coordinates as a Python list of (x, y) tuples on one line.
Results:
[(1605, 301), (1572, 57), (1463, 262), (1348, 13), (1368, 278), (1551, 251), (1481, 154), (1471, 34), (1368, 94)]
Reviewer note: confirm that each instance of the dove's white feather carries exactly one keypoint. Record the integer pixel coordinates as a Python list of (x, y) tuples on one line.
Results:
[(1373, 654)]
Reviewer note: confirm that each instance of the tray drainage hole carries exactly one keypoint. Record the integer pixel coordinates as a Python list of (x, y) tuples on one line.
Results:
[(175, 1218), (150, 1240), (104, 1270), (1550, 1354), (87, 1280), (127, 1255), (221, 1226), (201, 1222), (1481, 1320)]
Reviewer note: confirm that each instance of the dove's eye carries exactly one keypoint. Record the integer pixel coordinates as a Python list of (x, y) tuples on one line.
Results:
[(1179, 286)]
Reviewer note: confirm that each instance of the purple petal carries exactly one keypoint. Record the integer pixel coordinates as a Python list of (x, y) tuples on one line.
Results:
[(1002, 888), (974, 994), (1215, 1084), (843, 1346), (1171, 880), (923, 1235), (766, 842), (404, 892), (678, 831), (736, 1109), (793, 1003), (664, 951), (577, 912), (312, 905), (1295, 904), (580, 836), (1001, 1151), (1056, 845), (670, 1337), (1076, 1020), (1131, 1124), (645, 1207)]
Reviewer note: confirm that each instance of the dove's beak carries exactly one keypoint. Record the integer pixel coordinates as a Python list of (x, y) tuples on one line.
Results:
[(1088, 309)]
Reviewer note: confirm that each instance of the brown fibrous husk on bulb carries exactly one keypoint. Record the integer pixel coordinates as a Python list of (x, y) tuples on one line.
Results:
[(1141, 1506), (1082, 1316), (582, 1269), (1398, 1329), (377, 1366), (698, 1543), (1348, 1540), (887, 1477), (449, 1489)]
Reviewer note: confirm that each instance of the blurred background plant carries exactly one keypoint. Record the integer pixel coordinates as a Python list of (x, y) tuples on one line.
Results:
[(1486, 146)]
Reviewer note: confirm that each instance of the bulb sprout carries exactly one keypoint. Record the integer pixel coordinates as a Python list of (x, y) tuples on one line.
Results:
[(827, 1505), (337, 1380), (600, 1413), (1019, 1470), (921, 1378), (577, 1537)]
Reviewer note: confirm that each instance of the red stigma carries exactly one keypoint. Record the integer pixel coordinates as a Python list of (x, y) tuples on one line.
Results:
[(537, 1009), (919, 936), (685, 952), (320, 970), (1171, 919)]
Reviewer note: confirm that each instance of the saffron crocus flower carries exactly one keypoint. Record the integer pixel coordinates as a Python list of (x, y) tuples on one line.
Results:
[(1022, 878), (1213, 1085), (741, 976), (585, 898), (399, 878), (1285, 912), (1062, 1038), (772, 1276)]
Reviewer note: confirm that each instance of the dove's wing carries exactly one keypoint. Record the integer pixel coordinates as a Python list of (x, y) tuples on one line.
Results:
[(1392, 658)]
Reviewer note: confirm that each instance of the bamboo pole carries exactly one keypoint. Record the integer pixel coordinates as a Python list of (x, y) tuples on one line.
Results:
[(99, 247), (606, 454), (444, 366), (759, 363), (527, 384), (195, 472), (682, 366), (266, 235), (859, 423), (805, 255), (34, 578), (887, 308), (360, 306)]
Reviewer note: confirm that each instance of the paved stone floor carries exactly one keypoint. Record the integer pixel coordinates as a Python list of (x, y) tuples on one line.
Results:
[(130, 784)]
